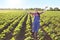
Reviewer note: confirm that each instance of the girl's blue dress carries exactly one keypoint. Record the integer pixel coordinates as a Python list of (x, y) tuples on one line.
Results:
[(36, 24)]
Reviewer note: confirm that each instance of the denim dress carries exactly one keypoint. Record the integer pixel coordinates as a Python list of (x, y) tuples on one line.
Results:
[(36, 24)]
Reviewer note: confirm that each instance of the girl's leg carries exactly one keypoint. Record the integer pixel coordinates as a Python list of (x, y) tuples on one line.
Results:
[(35, 36)]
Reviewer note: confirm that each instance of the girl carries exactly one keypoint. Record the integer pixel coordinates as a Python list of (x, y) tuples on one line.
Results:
[(36, 23)]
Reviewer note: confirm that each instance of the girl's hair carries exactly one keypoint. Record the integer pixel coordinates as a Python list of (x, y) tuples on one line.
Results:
[(38, 14)]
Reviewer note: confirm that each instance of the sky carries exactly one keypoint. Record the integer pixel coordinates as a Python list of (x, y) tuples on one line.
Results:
[(29, 3)]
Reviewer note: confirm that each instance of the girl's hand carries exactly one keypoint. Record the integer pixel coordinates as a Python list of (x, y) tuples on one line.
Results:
[(45, 9)]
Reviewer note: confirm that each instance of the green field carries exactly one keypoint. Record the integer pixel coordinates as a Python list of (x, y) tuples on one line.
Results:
[(16, 25)]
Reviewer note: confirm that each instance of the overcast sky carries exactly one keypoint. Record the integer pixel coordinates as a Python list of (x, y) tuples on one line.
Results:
[(29, 3)]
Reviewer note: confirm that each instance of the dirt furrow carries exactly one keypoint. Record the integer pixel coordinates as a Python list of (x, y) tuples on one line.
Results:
[(21, 34)]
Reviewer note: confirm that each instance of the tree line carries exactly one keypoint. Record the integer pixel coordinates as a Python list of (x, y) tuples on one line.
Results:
[(54, 9), (50, 9)]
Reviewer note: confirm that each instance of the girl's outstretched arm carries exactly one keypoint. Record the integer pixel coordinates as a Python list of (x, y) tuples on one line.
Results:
[(31, 13), (43, 10)]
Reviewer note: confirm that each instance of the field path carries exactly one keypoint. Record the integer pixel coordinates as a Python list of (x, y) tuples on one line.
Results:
[(21, 35), (46, 36), (8, 24), (9, 35)]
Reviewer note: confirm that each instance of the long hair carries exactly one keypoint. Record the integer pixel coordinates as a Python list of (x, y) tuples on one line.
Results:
[(38, 14)]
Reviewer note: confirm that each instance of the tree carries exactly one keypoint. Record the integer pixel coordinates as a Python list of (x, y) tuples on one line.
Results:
[(56, 9), (51, 9)]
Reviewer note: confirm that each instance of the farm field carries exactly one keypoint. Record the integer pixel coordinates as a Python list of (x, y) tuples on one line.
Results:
[(17, 25)]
